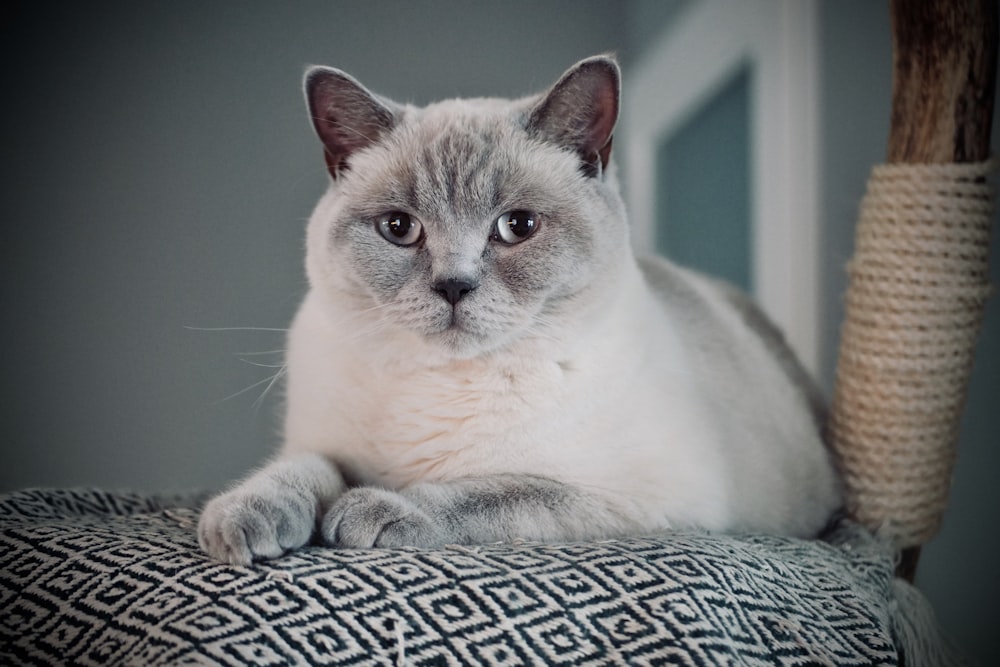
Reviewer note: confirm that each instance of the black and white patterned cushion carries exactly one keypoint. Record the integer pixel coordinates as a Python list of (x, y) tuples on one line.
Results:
[(92, 577)]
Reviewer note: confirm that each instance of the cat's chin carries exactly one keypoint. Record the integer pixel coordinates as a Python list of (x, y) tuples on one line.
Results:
[(457, 343)]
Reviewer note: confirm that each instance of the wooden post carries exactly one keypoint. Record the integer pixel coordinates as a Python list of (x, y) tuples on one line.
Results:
[(944, 80), (944, 83)]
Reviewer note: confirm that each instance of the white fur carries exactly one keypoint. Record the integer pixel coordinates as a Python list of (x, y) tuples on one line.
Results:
[(620, 407)]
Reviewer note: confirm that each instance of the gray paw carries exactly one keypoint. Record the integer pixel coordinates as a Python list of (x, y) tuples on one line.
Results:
[(368, 517), (255, 522)]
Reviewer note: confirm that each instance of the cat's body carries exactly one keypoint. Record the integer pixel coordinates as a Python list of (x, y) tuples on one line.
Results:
[(478, 383)]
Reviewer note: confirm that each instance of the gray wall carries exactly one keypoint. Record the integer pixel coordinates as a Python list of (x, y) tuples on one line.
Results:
[(158, 168)]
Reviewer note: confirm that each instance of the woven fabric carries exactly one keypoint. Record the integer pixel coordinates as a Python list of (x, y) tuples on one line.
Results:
[(90, 577)]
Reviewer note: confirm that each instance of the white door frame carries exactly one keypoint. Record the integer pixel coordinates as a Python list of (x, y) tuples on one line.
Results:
[(698, 53)]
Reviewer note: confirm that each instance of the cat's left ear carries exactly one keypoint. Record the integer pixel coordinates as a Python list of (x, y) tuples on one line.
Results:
[(581, 110)]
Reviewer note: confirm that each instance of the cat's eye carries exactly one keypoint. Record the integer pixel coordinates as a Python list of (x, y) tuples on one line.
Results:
[(515, 226), (399, 228)]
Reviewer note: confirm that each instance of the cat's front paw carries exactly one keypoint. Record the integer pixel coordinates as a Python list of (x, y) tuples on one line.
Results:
[(368, 517), (256, 522)]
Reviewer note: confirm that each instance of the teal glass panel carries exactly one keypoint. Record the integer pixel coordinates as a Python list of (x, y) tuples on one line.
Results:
[(703, 201)]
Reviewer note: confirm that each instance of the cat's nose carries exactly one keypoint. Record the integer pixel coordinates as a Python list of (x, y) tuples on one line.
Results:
[(453, 289)]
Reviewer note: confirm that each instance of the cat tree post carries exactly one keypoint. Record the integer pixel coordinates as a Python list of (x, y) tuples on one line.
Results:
[(919, 276)]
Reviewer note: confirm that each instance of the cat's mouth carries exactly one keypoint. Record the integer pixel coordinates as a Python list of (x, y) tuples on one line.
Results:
[(455, 323), (458, 333), (470, 328)]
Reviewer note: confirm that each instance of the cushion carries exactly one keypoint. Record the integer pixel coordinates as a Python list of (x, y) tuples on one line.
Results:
[(98, 577)]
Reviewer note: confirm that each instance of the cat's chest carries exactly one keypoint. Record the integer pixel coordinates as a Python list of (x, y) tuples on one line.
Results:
[(458, 419)]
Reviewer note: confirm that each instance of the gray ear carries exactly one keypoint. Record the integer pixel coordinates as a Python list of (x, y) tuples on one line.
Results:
[(580, 111), (346, 116)]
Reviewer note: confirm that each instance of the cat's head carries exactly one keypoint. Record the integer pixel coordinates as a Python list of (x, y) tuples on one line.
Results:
[(469, 224)]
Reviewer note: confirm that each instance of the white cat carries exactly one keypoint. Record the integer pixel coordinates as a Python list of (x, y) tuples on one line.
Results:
[(481, 357)]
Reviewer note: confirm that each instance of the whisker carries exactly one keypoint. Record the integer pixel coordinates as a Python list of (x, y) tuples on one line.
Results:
[(260, 399), (367, 328), (365, 331), (260, 365), (370, 309), (190, 328), (246, 389), (545, 323), (261, 352)]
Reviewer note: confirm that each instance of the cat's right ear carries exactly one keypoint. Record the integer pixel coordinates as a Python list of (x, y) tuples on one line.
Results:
[(346, 116)]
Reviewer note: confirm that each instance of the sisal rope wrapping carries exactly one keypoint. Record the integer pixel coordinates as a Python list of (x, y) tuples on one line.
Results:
[(918, 285)]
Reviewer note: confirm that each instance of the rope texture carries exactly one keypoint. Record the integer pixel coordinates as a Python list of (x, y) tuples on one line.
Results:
[(918, 285)]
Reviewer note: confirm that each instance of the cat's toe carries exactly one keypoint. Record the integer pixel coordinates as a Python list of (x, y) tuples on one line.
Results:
[(218, 539), (240, 527), (367, 517)]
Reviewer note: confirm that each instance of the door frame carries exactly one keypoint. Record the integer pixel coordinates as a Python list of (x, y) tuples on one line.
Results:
[(698, 54)]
